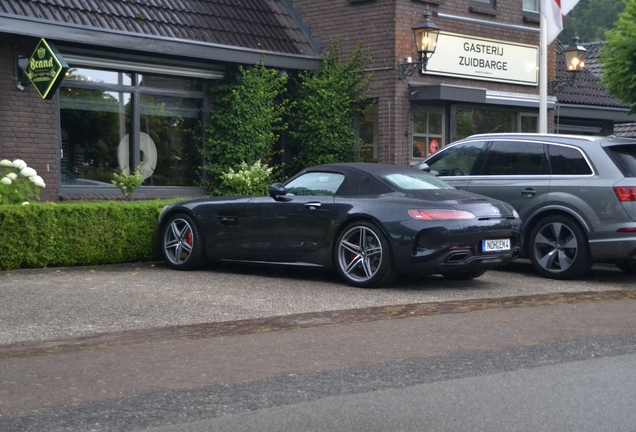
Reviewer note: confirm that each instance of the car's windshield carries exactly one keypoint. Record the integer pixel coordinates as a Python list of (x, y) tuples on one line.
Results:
[(417, 181)]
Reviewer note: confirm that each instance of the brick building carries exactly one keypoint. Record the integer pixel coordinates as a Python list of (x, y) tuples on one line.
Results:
[(483, 76), (136, 84), (138, 72)]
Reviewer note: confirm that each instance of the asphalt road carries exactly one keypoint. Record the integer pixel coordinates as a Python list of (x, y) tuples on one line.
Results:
[(585, 396)]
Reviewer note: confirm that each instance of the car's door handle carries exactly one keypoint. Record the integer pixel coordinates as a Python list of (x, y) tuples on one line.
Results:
[(528, 193), (312, 205)]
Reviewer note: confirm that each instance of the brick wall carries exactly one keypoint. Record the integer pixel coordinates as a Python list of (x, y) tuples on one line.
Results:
[(29, 125)]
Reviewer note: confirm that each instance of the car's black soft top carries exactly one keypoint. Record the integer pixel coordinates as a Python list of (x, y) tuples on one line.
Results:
[(364, 178)]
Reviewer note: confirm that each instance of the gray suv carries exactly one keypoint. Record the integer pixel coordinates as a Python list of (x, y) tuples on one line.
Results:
[(575, 194)]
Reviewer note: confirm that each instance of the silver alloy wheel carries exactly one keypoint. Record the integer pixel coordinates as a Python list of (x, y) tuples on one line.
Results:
[(360, 253), (555, 247), (178, 241)]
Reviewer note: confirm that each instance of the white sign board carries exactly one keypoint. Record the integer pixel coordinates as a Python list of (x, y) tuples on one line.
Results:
[(484, 59)]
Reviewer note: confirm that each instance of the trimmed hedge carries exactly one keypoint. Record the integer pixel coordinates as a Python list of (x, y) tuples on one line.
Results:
[(77, 233)]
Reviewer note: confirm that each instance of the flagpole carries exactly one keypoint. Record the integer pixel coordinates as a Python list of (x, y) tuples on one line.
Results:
[(543, 75)]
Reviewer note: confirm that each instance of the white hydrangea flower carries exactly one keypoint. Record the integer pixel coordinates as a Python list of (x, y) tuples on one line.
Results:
[(19, 164), (28, 172), (25, 203), (38, 181), (5, 181), (12, 176), (6, 163)]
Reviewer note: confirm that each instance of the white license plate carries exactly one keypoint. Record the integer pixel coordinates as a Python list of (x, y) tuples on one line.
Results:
[(495, 245)]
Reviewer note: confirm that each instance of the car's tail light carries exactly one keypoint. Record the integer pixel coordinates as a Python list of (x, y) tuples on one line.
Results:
[(625, 193), (626, 230), (441, 214)]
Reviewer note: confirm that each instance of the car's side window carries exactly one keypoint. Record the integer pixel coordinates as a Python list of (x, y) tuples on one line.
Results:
[(515, 158), (315, 183), (458, 160), (567, 161)]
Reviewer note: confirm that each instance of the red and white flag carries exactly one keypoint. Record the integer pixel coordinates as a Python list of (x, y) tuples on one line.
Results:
[(554, 11)]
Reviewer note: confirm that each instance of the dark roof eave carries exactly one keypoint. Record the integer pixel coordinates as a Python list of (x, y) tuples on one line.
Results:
[(154, 44), (618, 115)]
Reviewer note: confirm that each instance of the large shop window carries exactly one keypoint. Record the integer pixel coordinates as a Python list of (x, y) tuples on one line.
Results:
[(105, 115), (428, 131)]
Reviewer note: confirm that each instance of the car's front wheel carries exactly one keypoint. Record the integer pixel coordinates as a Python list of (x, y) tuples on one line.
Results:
[(362, 256), (558, 248), (181, 243)]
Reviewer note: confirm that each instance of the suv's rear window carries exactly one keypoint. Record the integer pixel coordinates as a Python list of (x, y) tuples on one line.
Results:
[(567, 161), (625, 155)]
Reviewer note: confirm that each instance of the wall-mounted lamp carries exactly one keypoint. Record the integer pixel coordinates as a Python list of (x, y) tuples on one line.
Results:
[(575, 55), (426, 34)]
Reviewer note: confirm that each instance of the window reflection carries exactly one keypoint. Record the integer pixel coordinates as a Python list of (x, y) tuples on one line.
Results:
[(93, 122), (172, 125), (169, 82), (476, 121), (99, 76), (368, 131)]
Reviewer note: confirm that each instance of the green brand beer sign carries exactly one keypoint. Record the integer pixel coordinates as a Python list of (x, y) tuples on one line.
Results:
[(46, 69)]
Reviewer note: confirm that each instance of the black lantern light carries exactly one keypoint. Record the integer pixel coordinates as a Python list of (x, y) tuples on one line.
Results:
[(426, 34), (575, 55)]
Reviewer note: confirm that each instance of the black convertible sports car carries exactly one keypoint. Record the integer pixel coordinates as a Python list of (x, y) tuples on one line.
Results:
[(369, 221)]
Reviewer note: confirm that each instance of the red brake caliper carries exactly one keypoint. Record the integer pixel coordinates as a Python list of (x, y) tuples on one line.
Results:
[(189, 238), (352, 255)]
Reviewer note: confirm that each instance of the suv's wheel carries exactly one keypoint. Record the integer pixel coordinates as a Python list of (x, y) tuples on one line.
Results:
[(362, 256), (558, 248), (181, 243)]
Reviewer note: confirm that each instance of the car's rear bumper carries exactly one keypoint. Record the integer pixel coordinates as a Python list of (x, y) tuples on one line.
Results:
[(443, 250), (619, 247)]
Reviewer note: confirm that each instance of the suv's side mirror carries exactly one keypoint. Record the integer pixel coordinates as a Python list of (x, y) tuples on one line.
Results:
[(276, 190)]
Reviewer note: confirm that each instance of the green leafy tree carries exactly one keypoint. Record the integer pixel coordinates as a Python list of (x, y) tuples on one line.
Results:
[(325, 104), (590, 19), (619, 57), (245, 123)]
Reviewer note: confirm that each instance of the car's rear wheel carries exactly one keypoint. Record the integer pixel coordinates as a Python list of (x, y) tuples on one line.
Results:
[(558, 248), (464, 275), (181, 243), (362, 256)]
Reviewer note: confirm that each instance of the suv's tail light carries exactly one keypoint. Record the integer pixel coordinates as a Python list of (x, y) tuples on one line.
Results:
[(440, 214), (625, 193)]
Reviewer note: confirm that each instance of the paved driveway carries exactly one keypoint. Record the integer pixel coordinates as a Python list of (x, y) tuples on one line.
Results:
[(58, 303)]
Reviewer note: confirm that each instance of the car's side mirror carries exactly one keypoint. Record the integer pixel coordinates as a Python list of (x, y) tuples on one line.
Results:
[(276, 190), (423, 166)]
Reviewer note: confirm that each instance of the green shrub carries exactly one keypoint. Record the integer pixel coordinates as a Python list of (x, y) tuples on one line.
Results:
[(248, 180), (324, 108), (128, 183), (245, 123), (82, 233)]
